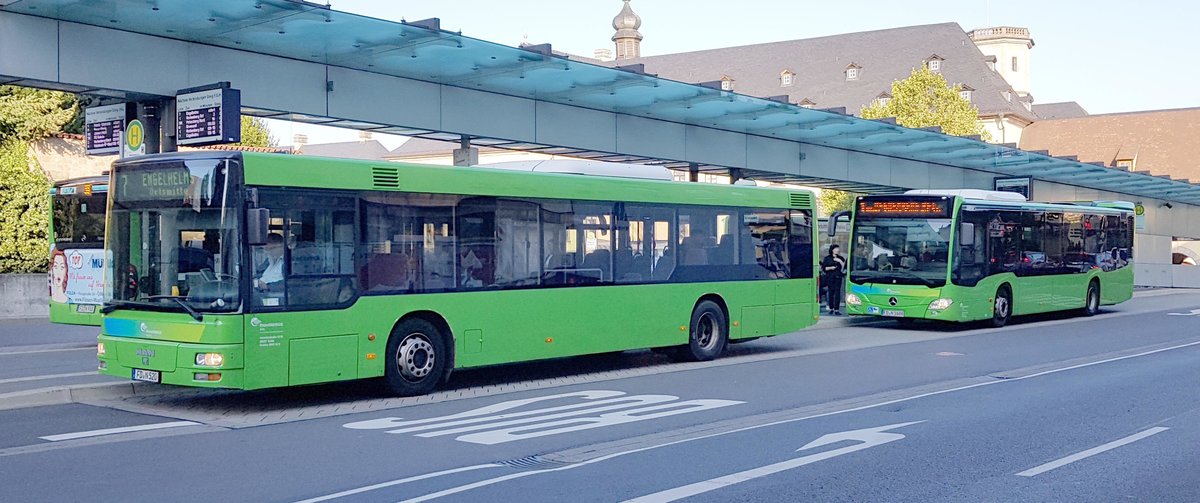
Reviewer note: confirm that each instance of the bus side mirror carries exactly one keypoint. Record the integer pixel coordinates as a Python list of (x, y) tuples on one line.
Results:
[(258, 226), (833, 220), (966, 234)]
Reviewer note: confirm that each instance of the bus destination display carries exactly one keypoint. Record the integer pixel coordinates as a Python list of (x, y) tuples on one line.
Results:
[(917, 208), (103, 128), (208, 117)]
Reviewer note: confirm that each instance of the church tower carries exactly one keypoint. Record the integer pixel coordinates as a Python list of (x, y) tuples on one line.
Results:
[(627, 38)]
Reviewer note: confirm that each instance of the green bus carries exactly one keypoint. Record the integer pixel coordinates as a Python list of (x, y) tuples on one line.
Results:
[(76, 269), (242, 270), (982, 255)]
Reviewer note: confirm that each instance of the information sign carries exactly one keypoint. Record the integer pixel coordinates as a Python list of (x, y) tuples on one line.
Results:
[(1019, 184), (104, 128), (208, 117)]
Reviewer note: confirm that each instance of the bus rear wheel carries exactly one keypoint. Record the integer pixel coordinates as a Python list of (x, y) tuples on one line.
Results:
[(1091, 304), (709, 333), (416, 358)]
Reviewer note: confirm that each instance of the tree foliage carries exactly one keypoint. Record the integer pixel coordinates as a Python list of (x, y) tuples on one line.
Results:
[(32, 114), (924, 99), (24, 210), (256, 134), (831, 201)]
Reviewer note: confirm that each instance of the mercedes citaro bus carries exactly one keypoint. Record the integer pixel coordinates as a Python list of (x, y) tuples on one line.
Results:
[(981, 255), (243, 270)]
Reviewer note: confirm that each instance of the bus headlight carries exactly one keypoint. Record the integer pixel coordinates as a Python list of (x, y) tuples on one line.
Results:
[(209, 359), (853, 300), (99, 349), (940, 304)]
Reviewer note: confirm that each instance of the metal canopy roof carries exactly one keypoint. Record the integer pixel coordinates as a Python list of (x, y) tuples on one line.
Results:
[(420, 51)]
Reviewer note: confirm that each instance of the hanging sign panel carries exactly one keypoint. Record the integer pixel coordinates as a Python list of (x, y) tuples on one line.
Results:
[(103, 129), (208, 117)]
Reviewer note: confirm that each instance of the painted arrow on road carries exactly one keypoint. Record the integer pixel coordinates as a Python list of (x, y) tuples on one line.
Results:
[(1194, 312), (866, 438)]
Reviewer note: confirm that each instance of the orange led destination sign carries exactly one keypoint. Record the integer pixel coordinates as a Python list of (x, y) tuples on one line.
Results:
[(904, 208)]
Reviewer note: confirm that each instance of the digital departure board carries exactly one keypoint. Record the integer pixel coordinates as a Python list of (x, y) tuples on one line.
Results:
[(103, 127), (908, 207), (208, 117)]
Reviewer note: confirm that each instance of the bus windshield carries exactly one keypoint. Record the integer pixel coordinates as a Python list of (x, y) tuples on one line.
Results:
[(78, 218), (909, 251), (173, 236)]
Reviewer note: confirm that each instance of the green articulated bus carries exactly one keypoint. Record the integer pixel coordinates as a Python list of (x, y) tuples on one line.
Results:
[(981, 255), (76, 234), (242, 270)]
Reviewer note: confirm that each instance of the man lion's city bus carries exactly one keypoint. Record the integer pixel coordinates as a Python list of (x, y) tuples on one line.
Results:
[(76, 273), (982, 255), (242, 270)]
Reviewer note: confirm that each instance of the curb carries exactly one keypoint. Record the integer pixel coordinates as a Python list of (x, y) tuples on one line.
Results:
[(78, 393)]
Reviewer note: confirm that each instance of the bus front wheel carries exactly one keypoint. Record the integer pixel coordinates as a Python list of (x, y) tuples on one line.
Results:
[(417, 358), (709, 333), (1002, 309)]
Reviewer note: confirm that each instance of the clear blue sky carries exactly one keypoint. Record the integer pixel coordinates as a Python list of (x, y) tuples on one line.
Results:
[(1110, 56)]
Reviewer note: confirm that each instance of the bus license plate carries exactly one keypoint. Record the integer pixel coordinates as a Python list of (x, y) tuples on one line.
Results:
[(85, 308), (893, 312), (146, 375)]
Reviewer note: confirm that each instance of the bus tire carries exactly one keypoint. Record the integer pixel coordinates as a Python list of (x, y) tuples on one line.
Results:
[(1002, 306), (708, 335), (416, 358), (1091, 303)]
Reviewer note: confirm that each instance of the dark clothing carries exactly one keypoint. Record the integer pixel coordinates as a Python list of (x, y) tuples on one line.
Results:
[(833, 271)]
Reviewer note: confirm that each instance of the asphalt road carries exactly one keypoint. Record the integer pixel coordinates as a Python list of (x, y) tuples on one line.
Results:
[(35, 353), (1053, 408)]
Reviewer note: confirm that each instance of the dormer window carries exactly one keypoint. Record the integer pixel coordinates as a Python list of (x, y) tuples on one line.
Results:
[(1007, 95), (883, 99), (852, 71), (934, 63), (726, 84), (785, 78), (807, 103), (1125, 164), (964, 92), (1028, 106)]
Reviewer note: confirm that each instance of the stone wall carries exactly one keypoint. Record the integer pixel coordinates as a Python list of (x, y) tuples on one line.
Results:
[(24, 296)]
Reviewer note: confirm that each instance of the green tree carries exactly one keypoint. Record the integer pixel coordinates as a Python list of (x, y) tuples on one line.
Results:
[(24, 209), (924, 99), (831, 201), (27, 115), (256, 134), (32, 114)]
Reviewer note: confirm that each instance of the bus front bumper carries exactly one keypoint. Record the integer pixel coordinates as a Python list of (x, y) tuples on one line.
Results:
[(164, 362), (903, 306)]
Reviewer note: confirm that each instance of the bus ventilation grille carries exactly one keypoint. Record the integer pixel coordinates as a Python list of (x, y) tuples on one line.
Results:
[(801, 200), (385, 178)]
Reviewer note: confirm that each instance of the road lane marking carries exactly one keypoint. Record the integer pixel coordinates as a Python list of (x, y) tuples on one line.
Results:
[(504, 478), (113, 431), (46, 376), (485, 426), (866, 438), (398, 482), (1194, 312), (1037, 470)]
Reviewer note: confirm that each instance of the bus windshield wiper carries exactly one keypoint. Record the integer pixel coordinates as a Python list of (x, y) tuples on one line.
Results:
[(179, 299)]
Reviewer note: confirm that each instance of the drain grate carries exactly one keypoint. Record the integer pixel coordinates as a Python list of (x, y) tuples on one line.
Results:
[(534, 462)]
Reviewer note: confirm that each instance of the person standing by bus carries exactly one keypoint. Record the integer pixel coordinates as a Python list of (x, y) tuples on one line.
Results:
[(833, 268)]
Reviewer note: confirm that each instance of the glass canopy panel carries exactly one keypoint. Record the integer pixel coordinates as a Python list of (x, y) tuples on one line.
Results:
[(313, 32)]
